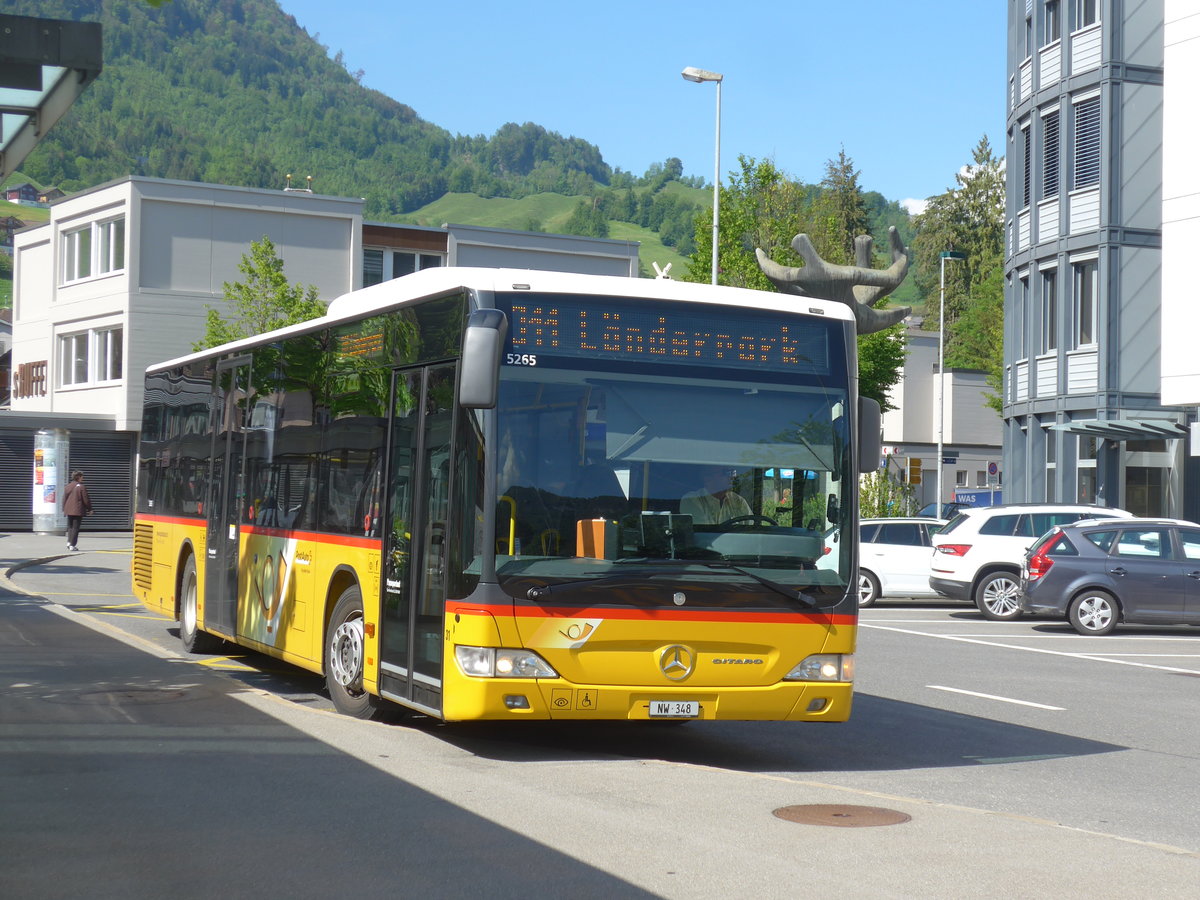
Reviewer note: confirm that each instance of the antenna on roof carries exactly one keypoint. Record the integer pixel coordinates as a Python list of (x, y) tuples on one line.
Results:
[(303, 190)]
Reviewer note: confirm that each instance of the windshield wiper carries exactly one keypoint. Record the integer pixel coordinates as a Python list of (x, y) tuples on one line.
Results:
[(782, 589)]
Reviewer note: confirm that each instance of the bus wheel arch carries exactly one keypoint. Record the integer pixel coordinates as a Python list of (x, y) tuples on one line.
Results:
[(344, 652)]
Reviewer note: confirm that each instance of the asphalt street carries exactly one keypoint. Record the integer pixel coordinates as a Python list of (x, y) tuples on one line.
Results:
[(131, 769)]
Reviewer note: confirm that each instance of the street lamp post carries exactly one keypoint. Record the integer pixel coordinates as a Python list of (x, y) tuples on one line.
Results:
[(691, 73), (941, 424)]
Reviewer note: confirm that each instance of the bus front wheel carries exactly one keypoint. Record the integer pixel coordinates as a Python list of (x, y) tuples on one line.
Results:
[(344, 657)]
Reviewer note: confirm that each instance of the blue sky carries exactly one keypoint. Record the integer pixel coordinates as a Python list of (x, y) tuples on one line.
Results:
[(906, 89)]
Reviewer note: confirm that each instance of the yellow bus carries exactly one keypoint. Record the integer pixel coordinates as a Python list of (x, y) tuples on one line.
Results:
[(507, 494)]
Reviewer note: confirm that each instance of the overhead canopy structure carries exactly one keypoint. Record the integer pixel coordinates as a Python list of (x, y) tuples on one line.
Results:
[(1124, 429), (45, 64)]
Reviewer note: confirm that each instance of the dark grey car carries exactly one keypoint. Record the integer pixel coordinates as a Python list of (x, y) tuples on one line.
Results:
[(1099, 573)]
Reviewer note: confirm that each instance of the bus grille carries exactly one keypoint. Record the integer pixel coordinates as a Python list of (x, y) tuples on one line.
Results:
[(143, 555)]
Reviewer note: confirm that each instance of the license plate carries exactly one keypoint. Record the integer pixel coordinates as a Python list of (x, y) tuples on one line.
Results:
[(674, 709)]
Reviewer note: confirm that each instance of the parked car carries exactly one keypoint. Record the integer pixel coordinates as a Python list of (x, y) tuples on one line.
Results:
[(977, 556), (893, 557), (1099, 573), (948, 511)]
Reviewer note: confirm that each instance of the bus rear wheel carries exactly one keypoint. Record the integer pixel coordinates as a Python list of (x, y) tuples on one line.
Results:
[(344, 658), (194, 640)]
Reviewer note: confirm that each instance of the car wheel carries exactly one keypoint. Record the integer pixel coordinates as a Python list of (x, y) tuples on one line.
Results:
[(868, 589), (1094, 612), (997, 596)]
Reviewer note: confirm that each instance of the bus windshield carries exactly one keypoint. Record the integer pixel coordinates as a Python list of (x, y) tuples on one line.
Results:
[(724, 477)]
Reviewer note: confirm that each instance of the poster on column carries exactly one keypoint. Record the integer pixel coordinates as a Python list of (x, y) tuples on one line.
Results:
[(45, 481)]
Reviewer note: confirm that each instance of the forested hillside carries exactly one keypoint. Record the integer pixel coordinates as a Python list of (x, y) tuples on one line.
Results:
[(236, 92)]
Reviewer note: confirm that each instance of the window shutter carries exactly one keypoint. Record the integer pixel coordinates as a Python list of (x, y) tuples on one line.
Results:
[(1050, 155), (1087, 142)]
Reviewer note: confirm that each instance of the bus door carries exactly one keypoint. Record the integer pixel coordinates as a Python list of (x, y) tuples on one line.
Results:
[(414, 570), (227, 488)]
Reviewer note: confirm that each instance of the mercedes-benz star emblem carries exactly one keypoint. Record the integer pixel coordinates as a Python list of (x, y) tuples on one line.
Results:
[(677, 662)]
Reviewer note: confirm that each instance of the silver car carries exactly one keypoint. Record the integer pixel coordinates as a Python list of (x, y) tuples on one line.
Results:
[(1099, 573)]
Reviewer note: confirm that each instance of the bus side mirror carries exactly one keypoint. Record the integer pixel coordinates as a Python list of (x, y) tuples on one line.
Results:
[(479, 374), (870, 439)]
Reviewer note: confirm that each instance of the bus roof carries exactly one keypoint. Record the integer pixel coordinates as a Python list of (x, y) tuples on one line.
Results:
[(441, 280)]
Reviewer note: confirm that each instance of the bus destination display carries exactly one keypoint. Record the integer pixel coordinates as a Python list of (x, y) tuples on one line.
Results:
[(599, 327)]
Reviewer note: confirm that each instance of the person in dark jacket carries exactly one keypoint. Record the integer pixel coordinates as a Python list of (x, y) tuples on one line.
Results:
[(76, 505)]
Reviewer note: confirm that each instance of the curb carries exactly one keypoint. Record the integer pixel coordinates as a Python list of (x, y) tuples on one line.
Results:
[(7, 583)]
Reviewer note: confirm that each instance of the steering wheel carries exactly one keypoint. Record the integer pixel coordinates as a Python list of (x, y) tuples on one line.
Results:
[(748, 520)]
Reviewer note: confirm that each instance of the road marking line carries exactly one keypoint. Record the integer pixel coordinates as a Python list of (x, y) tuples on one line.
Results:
[(1085, 656), (939, 687)]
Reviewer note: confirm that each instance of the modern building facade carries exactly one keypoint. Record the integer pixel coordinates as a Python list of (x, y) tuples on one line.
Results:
[(123, 275), (971, 430), (1085, 419)]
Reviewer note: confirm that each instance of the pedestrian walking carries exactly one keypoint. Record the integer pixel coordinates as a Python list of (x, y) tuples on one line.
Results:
[(76, 505)]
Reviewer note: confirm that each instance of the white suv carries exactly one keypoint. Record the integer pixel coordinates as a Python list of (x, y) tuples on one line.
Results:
[(977, 556)]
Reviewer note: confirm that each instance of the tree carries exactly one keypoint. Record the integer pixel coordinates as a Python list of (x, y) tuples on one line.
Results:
[(261, 302), (840, 211), (969, 219), (881, 494), (763, 207)]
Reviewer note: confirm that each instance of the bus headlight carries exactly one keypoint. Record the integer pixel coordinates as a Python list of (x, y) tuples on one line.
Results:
[(823, 667), (502, 662)]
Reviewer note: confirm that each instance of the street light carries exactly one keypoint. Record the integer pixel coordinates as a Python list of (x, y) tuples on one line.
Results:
[(941, 428), (691, 73)]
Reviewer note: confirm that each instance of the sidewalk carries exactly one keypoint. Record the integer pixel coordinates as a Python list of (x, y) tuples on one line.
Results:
[(107, 554)]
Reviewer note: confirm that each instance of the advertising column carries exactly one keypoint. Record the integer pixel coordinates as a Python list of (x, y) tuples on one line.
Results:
[(50, 476)]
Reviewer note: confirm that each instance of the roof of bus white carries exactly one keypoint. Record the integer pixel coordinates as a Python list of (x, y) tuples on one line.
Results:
[(446, 279)]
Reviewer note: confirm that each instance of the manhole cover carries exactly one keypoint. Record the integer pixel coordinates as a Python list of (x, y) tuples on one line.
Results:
[(840, 816), (124, 697)]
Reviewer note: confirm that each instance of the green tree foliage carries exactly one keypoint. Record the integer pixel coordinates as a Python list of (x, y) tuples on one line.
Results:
[(588, 220), (261, 302), (235, 92), (882, 494), (839, 212), (763, 207), (968, 218)]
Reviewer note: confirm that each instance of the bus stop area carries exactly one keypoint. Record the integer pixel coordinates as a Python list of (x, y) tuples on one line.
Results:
[(127, 769)]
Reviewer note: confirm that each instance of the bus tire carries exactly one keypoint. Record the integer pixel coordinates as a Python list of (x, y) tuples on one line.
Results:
[(344, 658), (194, 640)]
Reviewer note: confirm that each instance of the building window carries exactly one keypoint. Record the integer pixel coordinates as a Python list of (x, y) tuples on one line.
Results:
[(1049, 311), (110, 354), (1087, 142), (110, 255), (1051, 21), (98, 247), (405, 263), (1086, 482), (1027, 163), (1028, 36), (1085, 277), (77, 254), (372, 267), (1087, 12), (980, 478), (88, 357), (1019, 319), (380, 265), (73, 360), (1051, 439), (1050, 155), (960, 478)]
